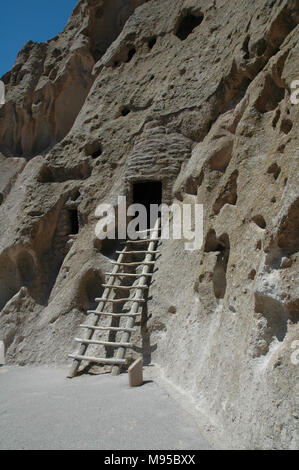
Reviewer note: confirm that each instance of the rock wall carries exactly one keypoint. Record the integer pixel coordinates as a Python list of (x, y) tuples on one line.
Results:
[(204, 88), (157, 156)]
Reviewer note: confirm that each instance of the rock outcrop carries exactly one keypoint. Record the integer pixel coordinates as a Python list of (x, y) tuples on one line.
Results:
[(195, 94)]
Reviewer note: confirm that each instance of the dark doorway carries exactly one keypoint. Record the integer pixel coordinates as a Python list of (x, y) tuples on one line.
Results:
[(74, 222), (147, 193)]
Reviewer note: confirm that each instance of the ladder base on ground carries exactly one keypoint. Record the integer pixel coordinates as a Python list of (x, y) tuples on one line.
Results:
[(136, 292)]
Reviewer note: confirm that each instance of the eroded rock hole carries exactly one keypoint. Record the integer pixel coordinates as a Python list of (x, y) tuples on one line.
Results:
[(97, 153), (125, 111), (260, 47), (219, 160), (222, 246), (274, 170), (245, 47), (275, 315), (151, 43), (286, 126), (228, 194), (106, 23), (219, 276), (93, 149), (212, 242), (75, 196), (288, 232), (186, 25), (148, 193), (89, 289), (67, 226), (252, 274), (270, 96), (59, 174), (27, 269), (259, 221), (193, 183), (131, 54)]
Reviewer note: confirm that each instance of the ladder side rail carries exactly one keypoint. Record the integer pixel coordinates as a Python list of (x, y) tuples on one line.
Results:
[(95, 318), (138, 296)]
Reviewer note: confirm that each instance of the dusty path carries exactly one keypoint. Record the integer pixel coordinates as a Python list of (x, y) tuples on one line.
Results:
[(41, 409)]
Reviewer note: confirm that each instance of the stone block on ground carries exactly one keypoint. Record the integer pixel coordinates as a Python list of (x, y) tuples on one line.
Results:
[(136, 373)]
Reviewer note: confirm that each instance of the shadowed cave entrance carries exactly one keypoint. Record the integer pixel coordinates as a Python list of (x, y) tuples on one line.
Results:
[(147, 193), (74, 221), (186, 25)]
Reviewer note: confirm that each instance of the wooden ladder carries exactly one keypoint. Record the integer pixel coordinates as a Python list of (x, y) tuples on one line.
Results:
[(109, 297)]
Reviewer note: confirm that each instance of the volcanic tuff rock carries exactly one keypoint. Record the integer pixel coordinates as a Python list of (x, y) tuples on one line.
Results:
[(196, 94)]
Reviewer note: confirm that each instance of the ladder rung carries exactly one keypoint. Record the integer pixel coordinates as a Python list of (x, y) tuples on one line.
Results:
[(120, 301), (129, 274), (148, 230), (133, 264), (103, 343), (144, 240), (109, 328), (98, 360), (115, 315), (139, 252), (124, 287)]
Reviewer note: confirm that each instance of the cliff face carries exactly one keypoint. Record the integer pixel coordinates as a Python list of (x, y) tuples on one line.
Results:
[(197, 95)]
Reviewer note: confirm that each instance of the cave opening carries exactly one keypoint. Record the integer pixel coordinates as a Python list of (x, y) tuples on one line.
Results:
[(187, 25), (148, 193), (74, 221), (131, 54)]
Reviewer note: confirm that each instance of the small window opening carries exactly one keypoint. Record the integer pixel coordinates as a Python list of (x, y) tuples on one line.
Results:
[(74, 221), (187, 25)]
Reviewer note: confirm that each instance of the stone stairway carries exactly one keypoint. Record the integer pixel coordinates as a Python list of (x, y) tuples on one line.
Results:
[(124, 296)]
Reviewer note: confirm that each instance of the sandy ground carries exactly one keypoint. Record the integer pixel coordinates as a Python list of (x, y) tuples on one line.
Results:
[(41, 409)]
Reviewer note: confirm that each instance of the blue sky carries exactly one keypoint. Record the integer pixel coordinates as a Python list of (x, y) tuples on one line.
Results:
[(25, 20)]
